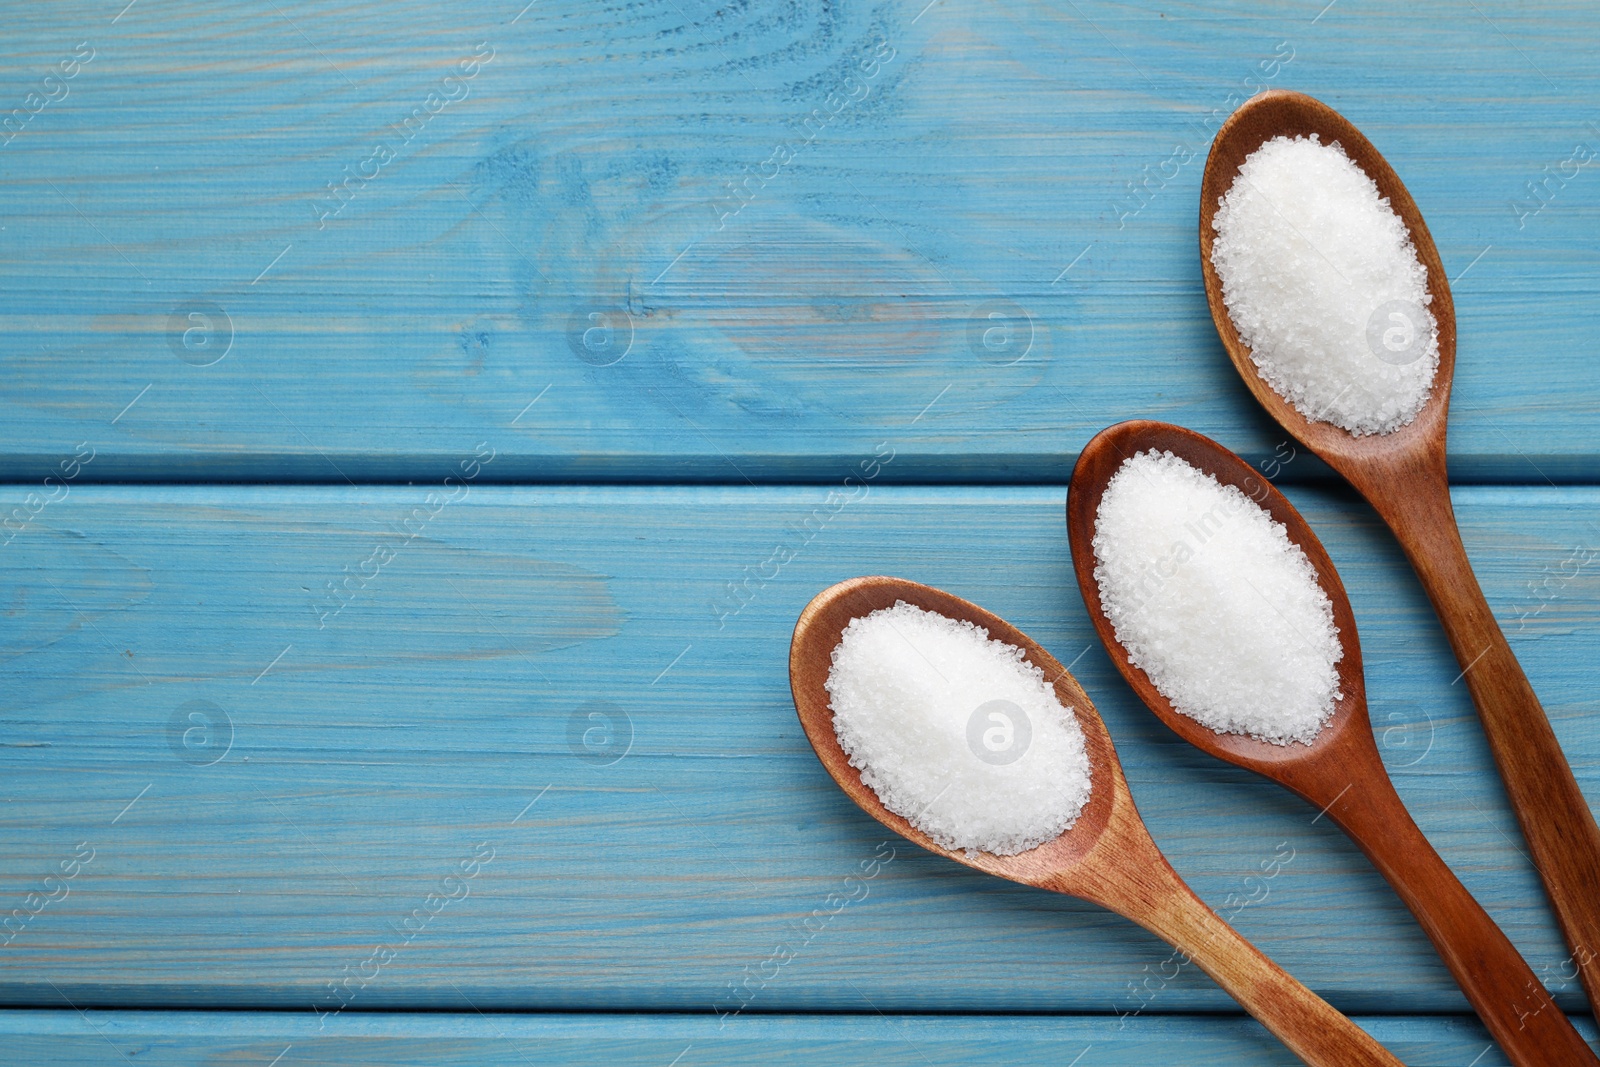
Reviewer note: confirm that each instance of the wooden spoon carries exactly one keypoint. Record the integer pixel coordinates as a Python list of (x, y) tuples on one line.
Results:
[(1341, 771), (1106, 857), (1402, 475)]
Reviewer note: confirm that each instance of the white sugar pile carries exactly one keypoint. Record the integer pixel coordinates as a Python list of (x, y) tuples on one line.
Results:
[(1323, 283), (1214, 603), (956, 733)]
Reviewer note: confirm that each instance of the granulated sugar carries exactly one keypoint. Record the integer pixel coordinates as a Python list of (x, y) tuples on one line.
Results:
[(1214, 603), (955, 732), (1322, 281)]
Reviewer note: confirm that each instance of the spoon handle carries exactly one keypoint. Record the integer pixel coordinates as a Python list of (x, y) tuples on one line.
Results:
[(1556, 820), (1309, 1026), (1513, 1004)]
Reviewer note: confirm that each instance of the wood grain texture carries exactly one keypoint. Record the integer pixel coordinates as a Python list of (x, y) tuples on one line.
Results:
[(587, 170), (371, 758), (468, 1039), (382, 731)]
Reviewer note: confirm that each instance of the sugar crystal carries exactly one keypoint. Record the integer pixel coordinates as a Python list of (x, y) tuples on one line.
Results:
[(956, 732), (1322, 281), (1214, 603)]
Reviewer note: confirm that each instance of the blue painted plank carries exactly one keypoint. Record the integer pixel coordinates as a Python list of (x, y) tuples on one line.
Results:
[(179, 1039), (546, 706), (900, 271)]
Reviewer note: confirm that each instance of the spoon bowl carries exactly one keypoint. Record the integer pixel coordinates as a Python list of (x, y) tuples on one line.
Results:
[(1404, 476), (1281, 113), (1340, 771), (1106, 857), (1050, 865), (1098, 462)]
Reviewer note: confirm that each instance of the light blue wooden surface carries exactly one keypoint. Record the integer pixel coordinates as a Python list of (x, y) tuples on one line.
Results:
[(371, 756), (841, 316), (847, 303), (176, 1039)]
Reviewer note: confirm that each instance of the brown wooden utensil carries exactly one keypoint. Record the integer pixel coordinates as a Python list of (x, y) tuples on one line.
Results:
[(1341, 771), (1106, 857), (1402, 475)]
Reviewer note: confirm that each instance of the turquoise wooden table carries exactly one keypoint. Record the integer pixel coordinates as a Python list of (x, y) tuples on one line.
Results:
[(421, 424)]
